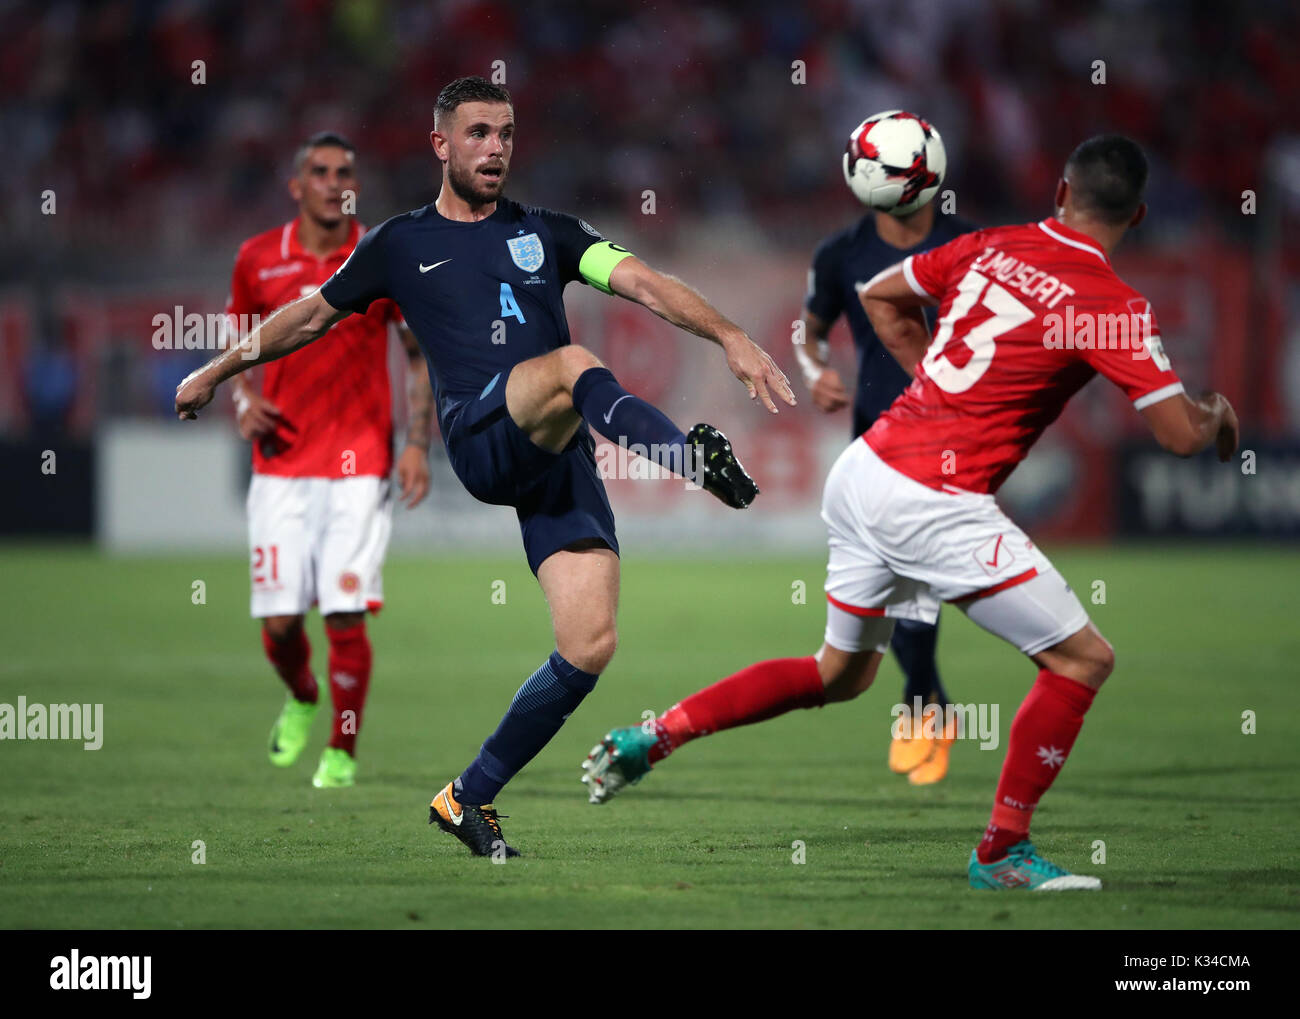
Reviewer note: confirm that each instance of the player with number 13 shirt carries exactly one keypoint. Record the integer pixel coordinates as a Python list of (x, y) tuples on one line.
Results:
[(998, 371), (910, 512)]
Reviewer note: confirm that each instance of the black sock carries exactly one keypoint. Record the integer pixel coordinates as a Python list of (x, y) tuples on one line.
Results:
[(630, 421), (539, 708), (914, 645)]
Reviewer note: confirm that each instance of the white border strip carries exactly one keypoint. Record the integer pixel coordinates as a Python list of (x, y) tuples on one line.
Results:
[(917, 289), (1163, 393), (1074, 244)]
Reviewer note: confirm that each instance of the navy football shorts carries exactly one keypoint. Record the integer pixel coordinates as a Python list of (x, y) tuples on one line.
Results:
[(559, 497)]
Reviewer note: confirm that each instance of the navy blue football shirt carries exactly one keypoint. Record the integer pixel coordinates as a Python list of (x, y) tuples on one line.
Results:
[(841, 263), (480, 297)]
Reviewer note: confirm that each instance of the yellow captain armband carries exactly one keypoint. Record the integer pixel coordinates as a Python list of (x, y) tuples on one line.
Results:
[(598, 262)]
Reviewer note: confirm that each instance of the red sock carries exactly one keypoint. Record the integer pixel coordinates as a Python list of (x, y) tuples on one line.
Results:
[(349, 680), (1042, 734), (291, 658), (762, 691)]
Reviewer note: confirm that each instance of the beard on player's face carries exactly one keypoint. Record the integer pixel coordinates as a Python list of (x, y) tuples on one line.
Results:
[(471, 185)]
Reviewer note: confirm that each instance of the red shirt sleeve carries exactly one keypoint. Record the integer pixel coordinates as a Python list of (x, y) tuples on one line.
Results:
[(1133, 357), (929, 273)]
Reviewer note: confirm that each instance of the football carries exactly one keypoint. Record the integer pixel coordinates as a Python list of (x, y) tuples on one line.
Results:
[(895, 162)]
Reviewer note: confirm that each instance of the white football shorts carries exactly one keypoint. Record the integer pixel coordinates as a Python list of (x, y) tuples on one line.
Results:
[(898, 549), (317, 541)]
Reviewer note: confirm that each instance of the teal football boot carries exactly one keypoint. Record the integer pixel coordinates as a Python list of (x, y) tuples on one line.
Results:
[(1023, 868), (621, 759)]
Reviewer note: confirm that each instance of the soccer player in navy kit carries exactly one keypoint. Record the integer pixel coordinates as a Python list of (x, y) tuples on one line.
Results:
[(480, 280), (841, 265)]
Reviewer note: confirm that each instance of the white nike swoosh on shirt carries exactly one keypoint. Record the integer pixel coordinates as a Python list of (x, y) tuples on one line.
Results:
[(610, 412), (426, 268)]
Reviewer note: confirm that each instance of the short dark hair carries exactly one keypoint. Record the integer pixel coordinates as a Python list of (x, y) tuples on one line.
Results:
[(318, 140), (1108, 177), (473, 89)]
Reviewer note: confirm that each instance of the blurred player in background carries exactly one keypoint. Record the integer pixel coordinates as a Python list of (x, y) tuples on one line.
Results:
[(319, 506), (841, 266), (481, 278), (906, 532)]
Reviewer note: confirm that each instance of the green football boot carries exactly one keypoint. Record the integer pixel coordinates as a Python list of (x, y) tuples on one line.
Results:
[(337, 769), (290, 732), (1024, 868), (621, 759)]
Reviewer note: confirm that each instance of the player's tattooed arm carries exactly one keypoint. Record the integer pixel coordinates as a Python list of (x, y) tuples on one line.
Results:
[(897, 315), (675, 302), (293, 326), (823, 381), (413, 465), (419, 392), (1185, 426)]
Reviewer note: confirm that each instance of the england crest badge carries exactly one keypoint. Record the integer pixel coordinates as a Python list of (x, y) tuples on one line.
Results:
[(527, 252)]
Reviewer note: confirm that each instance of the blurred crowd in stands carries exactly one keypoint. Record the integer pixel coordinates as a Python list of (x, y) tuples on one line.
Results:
[(697, 101)]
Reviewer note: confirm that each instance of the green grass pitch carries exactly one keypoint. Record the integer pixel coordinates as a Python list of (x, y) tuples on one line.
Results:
[(1198, 819)]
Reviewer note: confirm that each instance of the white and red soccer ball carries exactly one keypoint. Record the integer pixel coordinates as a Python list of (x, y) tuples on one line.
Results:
[(894, 162)]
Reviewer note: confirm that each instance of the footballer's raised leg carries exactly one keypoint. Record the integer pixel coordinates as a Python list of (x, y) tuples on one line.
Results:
[(549, 396)]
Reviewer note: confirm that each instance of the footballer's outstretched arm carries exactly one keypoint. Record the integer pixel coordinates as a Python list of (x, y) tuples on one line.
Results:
[(897, 314), (1186, 426), (293, 326), (675, 302)]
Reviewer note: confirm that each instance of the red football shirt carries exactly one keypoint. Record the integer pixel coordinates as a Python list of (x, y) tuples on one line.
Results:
[(334, 396), (1027, 315)]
